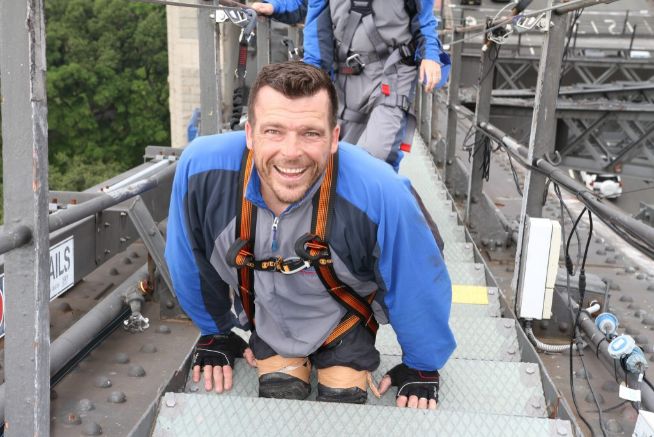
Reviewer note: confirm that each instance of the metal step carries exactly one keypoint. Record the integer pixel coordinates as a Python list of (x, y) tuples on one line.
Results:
[(459, 252), (184, 415), (483, 376), (486, 338), (480, 386), (467, 273), (466, 385)]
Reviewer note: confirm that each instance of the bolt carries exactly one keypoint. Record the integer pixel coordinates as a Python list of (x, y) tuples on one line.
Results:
[(530, 370), (508, 324)]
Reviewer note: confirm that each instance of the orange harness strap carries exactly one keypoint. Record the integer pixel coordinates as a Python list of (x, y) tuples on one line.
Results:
[(312, 248)]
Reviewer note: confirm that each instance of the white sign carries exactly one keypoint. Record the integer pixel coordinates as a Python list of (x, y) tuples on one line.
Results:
[(62, 267), (62, 274)]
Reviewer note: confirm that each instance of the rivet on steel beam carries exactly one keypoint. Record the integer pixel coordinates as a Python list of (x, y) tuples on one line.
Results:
[(136, 371), (92, 429), (107, 224), (117, 397), (163, 329), (72, 419), (102, 382), (85, 405), (121, 358), (148, 348)]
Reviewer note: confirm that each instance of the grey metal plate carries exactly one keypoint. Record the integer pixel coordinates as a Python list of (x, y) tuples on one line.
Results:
[(466, 385), (467, 273), (492, 339), (452, 234), (481, 386), (459, 252), (195, 415)]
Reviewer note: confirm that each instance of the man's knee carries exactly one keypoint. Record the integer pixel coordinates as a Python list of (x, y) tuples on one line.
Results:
[(284, 378), (343, 384)]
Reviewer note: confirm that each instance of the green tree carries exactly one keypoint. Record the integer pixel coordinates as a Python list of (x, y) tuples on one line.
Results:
[(107, 87)]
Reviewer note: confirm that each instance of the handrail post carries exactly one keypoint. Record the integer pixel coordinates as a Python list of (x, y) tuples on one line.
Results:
[(543, 123), (452, 100), (209, 50), (482, 114), (25, 171)]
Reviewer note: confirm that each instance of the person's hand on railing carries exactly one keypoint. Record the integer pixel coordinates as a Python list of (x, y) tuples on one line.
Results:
[(430, 74), (263, 8)]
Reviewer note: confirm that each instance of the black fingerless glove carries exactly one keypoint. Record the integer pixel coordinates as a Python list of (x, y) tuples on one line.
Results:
[(218, 350), (421, 383)]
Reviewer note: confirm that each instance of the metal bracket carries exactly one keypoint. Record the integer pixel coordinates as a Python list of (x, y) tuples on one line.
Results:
[(151, 236)]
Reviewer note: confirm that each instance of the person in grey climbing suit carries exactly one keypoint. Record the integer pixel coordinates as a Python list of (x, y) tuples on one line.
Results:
[(375, 50)]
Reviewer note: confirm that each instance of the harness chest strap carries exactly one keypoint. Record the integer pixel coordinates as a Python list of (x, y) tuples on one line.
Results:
[(311, 248)]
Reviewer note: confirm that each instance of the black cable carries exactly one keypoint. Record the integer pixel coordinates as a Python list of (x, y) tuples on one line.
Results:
[(516, 179), (557, 191), (568, 261)]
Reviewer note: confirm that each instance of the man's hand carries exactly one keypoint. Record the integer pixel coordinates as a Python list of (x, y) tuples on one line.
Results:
[(215, 354), (416, 388), (262, 8), (430, 74)]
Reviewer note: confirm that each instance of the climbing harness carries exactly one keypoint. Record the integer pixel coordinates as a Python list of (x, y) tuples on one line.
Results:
[(312, 250)]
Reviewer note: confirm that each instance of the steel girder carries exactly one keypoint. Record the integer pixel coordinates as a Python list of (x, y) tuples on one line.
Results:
[(520, 72)]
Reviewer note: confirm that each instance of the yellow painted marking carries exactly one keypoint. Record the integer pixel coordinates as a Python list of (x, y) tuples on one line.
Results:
[(470, 294)]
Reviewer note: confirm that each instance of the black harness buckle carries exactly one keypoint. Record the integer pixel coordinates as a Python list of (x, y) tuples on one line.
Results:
[(363, 7)]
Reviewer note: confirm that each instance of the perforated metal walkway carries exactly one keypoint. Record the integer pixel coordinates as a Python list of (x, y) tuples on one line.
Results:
[(485, 389)]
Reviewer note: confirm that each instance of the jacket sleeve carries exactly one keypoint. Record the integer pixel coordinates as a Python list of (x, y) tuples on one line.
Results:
[(202, 294), (424, 27), (412, 272), (289, 11), (318, 35)]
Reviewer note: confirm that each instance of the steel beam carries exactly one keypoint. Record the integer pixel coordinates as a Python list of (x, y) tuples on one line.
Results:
[(263, 42), (543, 125), (482, 114), (25, 172), (210, 90)]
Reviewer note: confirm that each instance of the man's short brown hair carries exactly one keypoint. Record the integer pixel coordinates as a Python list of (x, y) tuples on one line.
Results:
[(294, 79)]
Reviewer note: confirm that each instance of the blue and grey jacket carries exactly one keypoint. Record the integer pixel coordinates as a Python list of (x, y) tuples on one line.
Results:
[(379, 240)]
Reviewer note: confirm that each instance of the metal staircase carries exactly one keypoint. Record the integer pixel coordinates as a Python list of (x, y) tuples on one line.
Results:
[(485, 389)]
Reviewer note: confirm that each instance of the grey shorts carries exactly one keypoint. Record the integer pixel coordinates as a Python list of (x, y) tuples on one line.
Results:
[(356, 349)]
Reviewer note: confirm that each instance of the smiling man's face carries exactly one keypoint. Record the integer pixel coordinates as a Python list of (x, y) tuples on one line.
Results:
[(292, 142)]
